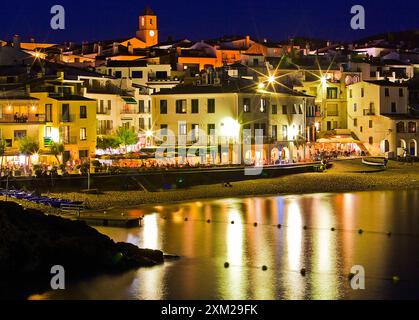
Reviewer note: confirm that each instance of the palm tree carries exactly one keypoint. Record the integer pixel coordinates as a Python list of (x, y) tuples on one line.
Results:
[(28, 147), (57, 149), (126, 137), (3, 146)]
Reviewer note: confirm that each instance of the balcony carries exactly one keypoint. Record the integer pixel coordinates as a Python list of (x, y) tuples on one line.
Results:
[(67, 118), (25, 118), (69, 140), (129, 111), (104, 131), (106, 112), (369, 112), (103, 87), (332, 113)]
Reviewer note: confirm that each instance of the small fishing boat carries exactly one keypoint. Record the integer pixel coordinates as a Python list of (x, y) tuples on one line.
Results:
[(375, 161)]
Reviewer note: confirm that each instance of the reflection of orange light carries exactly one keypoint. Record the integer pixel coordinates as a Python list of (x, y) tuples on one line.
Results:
[(36, 297), (177, 218), (135, 213)]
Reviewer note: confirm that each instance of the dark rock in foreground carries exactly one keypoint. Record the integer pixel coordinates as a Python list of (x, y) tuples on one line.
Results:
[(32, 242)]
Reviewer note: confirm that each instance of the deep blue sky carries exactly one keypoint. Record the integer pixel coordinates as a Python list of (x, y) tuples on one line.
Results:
[(196, 20)]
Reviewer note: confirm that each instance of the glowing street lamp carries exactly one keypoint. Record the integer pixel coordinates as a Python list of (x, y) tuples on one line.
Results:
[(230, 128), (323, 81), (271, 79)]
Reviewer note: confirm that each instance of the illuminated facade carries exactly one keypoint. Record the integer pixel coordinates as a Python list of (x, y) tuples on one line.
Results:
[(20, 117), (378, 115), (141, 72), (70, 118), (228, 109)]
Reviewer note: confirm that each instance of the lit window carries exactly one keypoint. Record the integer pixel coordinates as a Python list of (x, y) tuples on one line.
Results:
[(83, 134), (180, 106)]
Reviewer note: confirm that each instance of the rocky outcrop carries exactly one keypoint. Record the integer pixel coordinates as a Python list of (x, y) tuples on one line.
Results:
[(32, 242)]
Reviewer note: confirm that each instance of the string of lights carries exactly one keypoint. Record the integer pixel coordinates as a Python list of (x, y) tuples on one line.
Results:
[(361, 231)]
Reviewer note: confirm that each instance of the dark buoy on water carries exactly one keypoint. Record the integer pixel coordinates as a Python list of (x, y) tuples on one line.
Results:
[(186, 219), (305, 228), (232, 222), (264, 268), (208, 221), (303, 272), (226, 265), (360, 231), (279, 226), (255, 224), (332, 229), (389, 234)]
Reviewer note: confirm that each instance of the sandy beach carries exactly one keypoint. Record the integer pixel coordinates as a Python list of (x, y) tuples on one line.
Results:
[(344, 176)]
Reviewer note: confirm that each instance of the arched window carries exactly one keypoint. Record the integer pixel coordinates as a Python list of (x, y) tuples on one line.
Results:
[(370, 140), (386, 146), (412, 127), (413, 148), (400, 127)]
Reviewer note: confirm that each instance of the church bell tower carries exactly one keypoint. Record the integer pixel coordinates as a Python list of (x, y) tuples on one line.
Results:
[(148, 31)]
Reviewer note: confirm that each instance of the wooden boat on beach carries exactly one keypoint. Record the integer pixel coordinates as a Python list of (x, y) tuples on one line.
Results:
[(375, 162)]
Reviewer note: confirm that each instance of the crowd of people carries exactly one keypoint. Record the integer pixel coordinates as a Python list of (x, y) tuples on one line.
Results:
[(113, 166), (20, 118), (334, 154)]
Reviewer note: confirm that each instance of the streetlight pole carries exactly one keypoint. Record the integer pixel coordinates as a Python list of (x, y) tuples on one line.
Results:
[(7, 185), (305, 127)]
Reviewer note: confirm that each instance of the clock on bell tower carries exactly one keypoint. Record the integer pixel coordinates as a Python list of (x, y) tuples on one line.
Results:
[(148, 32)]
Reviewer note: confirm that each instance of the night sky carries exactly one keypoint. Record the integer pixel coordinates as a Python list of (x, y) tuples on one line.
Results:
[(197, 20)]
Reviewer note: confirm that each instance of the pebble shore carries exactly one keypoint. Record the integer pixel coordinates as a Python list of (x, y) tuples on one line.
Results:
[(344, 176)]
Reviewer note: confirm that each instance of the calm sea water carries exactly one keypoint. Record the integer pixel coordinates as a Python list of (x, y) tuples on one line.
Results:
[(326, 255)]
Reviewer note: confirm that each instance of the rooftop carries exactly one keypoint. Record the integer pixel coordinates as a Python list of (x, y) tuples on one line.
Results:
[(148, 11), (386, 83), (126, 63), (230, 85), (70, 98)]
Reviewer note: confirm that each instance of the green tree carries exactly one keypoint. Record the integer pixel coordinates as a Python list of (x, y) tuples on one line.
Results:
[(28, 147), (126, 137), (107, 142), (3, 146), (57, 149)]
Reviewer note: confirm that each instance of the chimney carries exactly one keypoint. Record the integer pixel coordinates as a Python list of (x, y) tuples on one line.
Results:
[(84, 47), (247, 43), (130, 48), (16, 41), (99, 48), (115, 48)]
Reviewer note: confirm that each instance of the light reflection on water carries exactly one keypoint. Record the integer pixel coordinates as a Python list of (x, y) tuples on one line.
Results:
[(326, 255)]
